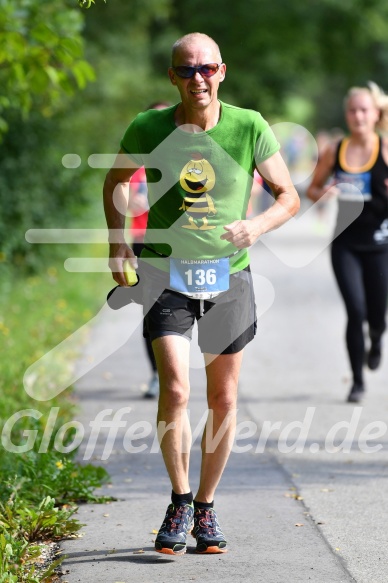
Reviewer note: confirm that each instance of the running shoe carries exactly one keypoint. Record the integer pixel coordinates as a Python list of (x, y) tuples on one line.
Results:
[(207, 532), (171, 538), (356, 394), (374, 355)]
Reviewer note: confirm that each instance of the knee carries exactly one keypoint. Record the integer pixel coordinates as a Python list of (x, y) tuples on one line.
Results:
[(223, 402), (173, 396), (356, 314)]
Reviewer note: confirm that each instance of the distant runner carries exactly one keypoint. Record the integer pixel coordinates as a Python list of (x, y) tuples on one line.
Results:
[(359, 165)]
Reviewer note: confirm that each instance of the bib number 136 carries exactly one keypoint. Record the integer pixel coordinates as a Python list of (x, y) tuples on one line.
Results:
[(192, 276), (201, 276)]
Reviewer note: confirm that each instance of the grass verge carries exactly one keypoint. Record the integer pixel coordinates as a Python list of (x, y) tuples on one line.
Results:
[(40, 485)]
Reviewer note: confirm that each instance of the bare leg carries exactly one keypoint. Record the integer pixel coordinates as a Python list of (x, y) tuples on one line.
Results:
[(222, 381), (172, 359)]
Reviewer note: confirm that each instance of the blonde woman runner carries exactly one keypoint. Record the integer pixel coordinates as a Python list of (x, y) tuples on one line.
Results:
[(359, 167)]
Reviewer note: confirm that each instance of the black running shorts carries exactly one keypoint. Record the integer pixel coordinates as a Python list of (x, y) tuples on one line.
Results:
[(226, 323)]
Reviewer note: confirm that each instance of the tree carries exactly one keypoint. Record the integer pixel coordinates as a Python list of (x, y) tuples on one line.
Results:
[(41, 55), (277, 50)]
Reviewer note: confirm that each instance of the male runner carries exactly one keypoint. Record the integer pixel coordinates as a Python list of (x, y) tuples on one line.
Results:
[(200, 157)]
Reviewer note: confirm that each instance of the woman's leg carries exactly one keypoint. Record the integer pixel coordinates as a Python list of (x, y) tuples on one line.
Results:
[(375, 268), (348, 271)]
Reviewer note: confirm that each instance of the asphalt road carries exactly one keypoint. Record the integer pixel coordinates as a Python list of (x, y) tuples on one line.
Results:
[(304, 495)]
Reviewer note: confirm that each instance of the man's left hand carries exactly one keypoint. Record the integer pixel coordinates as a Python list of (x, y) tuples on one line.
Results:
[(241, 234)]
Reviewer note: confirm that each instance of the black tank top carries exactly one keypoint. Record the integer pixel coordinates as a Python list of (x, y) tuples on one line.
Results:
[(362, 220)]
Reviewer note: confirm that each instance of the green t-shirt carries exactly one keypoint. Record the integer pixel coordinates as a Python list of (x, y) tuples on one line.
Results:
[(197, 182)]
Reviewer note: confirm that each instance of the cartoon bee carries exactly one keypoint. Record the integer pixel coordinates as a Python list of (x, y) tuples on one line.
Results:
[(197, 179)]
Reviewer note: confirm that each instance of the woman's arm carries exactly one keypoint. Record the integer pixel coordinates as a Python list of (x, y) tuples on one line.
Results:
[(322, 172)]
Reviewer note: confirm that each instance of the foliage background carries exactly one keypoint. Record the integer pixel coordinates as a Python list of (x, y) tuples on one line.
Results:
[(71, 80)]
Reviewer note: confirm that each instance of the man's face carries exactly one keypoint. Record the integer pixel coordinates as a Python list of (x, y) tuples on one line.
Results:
[(197, 92)]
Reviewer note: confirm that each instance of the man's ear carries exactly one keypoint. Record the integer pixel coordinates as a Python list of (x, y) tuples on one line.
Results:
[(222, 72), (171, 74)]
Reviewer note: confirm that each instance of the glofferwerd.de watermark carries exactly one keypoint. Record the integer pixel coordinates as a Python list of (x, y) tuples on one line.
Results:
[(109, 431)]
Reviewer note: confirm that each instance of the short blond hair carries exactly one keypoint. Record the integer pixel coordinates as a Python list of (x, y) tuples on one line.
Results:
[(379, 98)]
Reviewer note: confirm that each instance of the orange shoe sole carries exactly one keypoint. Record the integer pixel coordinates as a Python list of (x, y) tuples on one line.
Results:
[(167, 551), (212, 550)]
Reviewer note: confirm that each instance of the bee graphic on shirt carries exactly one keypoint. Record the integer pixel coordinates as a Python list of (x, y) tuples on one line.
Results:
[(197, 179)]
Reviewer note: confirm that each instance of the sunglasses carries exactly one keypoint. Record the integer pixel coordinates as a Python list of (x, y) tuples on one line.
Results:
[(187, 72)]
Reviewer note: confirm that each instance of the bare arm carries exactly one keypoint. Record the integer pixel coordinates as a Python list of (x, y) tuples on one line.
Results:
[(116, 192), (385, 156), (243, 233), (322, 172), (385, 150)]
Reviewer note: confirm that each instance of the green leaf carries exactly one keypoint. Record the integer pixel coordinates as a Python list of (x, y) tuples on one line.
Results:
[(72, 46), (85, 3), (83, 73), (3, 542), (38, 80), (44, 35), (52, 74)]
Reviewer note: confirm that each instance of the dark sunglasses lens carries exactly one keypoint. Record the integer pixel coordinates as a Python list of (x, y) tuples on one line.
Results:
[(209, 70), (206, 70), (184, 71)]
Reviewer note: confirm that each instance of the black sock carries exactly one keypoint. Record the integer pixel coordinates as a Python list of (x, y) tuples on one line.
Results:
[(178, 499), (203, 504)]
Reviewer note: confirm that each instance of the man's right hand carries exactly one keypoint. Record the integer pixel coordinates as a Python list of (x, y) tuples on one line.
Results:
[(118, 253)]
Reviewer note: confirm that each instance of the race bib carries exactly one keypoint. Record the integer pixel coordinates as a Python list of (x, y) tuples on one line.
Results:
[(196, 276), (354, 187)]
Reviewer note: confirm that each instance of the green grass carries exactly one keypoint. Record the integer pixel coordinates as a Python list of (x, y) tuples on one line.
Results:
[(39, 491)]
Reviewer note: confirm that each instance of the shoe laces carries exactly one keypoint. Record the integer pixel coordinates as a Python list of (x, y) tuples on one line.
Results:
[(207, 521), (176, 517)]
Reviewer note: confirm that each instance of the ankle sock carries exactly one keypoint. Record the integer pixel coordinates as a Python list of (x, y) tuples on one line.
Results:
[(203, 504), (177, 499)]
